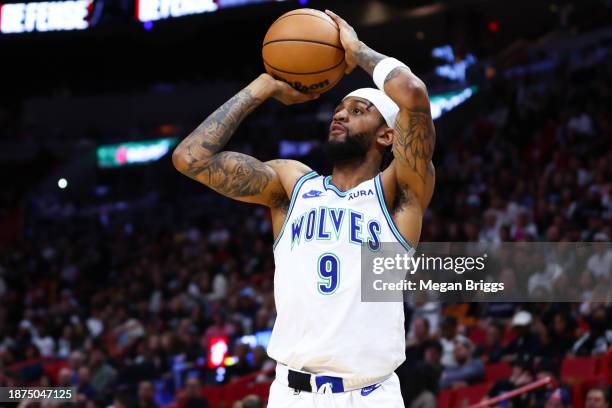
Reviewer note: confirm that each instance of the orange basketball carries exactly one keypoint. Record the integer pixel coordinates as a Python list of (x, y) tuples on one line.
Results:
[(302, 48)]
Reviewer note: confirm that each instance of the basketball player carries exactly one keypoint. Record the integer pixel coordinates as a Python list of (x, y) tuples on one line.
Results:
[(331, 349)]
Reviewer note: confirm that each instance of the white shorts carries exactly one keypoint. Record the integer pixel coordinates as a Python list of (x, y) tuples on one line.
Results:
[(386, 394)]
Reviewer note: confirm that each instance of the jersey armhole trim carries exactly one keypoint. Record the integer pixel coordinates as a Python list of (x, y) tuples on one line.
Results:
[(296, 189), (380, 194)]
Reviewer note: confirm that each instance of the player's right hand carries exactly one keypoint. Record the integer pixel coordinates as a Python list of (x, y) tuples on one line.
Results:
[(284, 93)]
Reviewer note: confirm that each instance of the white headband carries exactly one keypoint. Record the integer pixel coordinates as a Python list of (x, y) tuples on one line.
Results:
[(385, 105)]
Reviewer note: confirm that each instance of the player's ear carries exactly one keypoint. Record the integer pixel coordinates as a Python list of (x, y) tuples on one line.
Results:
[(384, 136)]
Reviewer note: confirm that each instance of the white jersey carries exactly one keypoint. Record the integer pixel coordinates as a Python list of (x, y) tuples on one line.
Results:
[(322, 326)]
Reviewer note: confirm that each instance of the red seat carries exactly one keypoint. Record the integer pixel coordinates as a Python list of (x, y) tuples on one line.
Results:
[(214, 394), (262, 389), (234, 392), (470, 395), (497, 371), (508, 336), (578, 369), (477, 334), (52, 369), (445, 399)]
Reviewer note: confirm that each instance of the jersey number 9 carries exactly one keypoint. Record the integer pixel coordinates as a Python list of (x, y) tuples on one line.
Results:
[(328, 267)]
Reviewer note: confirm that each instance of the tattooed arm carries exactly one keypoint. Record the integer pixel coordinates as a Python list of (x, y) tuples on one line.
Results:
[(236, 175), (414, 133)]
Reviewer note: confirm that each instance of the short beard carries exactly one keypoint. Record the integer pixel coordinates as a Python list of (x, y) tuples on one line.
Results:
[(352, 148)]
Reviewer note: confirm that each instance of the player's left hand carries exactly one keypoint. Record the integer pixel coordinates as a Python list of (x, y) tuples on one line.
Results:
[(348, 38)]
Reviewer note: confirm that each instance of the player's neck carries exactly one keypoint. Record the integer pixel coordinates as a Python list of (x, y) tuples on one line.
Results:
[(350, 174)]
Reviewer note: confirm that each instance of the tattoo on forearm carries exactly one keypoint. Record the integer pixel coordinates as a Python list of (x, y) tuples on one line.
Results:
[(415, 140), (229, 173), (367, 58), (233, 174), (214, 133), (395, 73)]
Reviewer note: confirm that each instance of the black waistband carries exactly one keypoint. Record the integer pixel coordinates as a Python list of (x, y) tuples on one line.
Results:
[(299, 381), (302, 381)]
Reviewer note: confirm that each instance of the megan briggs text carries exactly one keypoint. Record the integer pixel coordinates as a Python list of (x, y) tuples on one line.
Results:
[(468, 285)]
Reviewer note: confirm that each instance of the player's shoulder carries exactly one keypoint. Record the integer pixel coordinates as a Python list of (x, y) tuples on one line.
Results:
[(289, 168), (289, 171)]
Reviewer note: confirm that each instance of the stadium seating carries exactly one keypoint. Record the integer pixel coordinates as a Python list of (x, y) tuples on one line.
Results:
[(470, 395), (578, 369), (497, 371)]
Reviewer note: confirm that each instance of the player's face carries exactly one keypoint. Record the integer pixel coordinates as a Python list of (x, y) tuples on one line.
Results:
[(354, 116), (353, 130)]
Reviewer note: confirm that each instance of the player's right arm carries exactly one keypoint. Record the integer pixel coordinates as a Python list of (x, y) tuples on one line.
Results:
[(200, 155)]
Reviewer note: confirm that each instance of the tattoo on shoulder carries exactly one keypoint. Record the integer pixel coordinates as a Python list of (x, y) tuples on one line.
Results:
[(415, 140)]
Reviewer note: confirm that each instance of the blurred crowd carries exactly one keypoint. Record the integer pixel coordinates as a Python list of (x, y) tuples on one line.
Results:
[(132, 307)]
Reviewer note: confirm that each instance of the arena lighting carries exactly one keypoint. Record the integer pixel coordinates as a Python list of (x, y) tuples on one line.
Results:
[(127, 153), (217, 351), (493, 26), (453, 70), (62, 183), (153, 10), (443, 103), (444, 52), (260, 338), (44, 16)]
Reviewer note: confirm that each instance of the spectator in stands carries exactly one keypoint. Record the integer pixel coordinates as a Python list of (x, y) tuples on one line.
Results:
[(557, 337), (558, 398), (261, 361), (522, 374), (419, 385), (120, 401), (102, 373), (193, 394), (63, 377), (555, 392), (526, 341), (250, 401), (219, 328), (83, 385), (243, 366), (597, 397), (467, 371), (448, 339), (75, 361), (427, 309), (44, 341), (599, 337), (489, 233), (600, 263), (418, 336), (491, 351), (146, 395), (429, 372), (546, 275)]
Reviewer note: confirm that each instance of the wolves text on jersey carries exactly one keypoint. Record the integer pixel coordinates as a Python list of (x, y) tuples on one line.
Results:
[(324, 223)]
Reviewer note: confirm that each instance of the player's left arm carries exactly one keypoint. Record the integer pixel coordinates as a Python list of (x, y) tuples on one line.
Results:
[(415, 136)]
